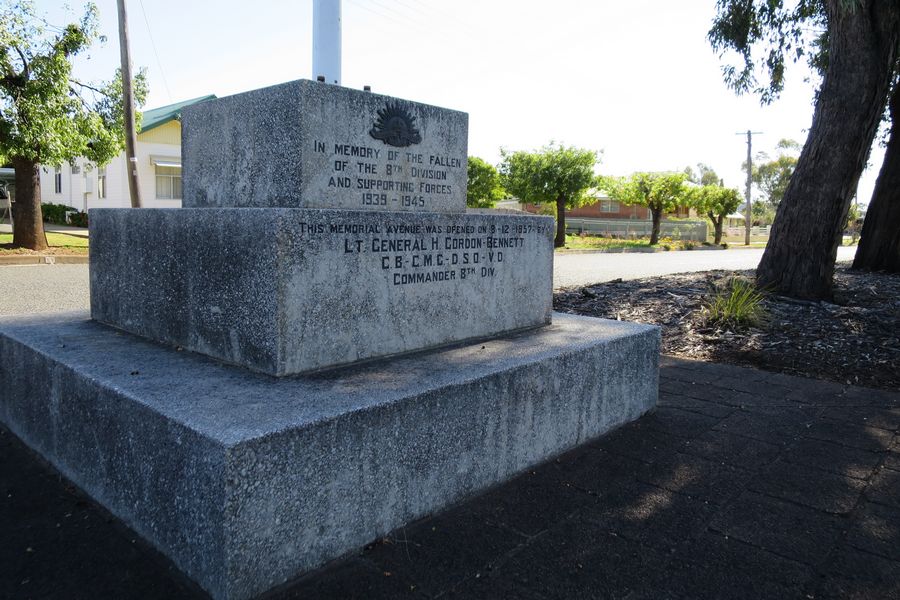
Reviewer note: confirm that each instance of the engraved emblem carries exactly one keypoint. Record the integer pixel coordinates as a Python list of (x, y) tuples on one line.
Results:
[(395, 127)]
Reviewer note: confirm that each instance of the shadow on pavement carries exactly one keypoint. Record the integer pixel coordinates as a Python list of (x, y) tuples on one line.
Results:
[(742, 484)]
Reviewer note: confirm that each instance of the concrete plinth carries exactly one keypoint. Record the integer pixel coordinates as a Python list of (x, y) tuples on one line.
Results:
[(247, 480), (286, 291)]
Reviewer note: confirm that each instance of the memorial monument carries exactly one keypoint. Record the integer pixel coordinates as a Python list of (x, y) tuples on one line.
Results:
[(320, 347)]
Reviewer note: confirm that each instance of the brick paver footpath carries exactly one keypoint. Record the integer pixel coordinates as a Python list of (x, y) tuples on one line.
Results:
[(742, 484)]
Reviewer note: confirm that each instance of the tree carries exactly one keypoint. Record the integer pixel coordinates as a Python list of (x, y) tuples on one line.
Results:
[(855, 43), (47, 116), (716, 202), (852, 225), (660, 192), (771, 176), (761, 214), (879, 244), (556, 173), (705, 175), (484, 189)]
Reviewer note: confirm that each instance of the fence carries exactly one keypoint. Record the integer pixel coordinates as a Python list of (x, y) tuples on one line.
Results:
[(739, 231), (637, 228)]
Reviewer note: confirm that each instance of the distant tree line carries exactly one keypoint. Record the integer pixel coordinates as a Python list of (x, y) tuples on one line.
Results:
[(565, 178)]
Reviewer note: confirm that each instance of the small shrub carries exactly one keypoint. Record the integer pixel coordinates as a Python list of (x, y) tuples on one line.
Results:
[(666, 247), (55, 213), (78, 219), (688, 245), (735, 303), (724, 245)]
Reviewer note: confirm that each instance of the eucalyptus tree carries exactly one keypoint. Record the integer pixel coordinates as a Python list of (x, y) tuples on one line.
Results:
[(879, 243), (855, 45)]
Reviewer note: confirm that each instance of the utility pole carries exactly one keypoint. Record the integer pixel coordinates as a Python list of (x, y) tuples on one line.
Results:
[(748, 207), (128, 105), (327, 41)]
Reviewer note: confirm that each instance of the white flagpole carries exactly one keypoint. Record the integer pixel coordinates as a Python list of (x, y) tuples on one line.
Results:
[(327, 40)]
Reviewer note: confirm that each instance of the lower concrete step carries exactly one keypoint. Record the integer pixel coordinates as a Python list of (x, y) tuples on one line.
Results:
[(247, 481)]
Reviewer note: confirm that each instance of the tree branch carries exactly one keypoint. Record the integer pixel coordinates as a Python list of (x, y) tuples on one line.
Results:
[(84, 102), (90, 87), (26, 70)]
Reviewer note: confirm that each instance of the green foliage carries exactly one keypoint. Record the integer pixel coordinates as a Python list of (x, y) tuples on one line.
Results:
[(660, 192), (484, 189), (78, 219), (735, 303), (55, 213), (761, 214), (704, 175), (46, 115), (766, 35), (715, 201), (853, 215), (555, 172), (772, 176)]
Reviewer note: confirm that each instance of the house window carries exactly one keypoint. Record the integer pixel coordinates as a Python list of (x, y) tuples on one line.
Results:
[(168, 183), (609, 206), (101, 182), (57, 181)]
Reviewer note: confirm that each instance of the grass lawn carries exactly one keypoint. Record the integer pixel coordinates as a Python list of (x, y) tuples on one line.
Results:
[(596, 242), (60, 243)]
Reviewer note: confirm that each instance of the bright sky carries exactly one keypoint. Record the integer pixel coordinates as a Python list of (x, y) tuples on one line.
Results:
[(636, 80)]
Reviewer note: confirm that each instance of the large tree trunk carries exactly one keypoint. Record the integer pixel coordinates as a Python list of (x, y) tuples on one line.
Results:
[(879, 246), (863, 43), (560, 240), (657, 219), (28, 223)]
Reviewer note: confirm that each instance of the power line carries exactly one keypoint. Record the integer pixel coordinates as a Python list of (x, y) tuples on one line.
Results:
[(384, 16), (401, 14), (462, 25), (411, 7), (155, 53)]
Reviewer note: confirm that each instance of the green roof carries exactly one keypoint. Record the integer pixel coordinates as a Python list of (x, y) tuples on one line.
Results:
[(162, 115)]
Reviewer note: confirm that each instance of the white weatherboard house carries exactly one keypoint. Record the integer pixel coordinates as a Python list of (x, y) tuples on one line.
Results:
[(84, 185)]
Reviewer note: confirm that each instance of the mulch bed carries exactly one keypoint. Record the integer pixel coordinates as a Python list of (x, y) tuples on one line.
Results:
[(855, 340)]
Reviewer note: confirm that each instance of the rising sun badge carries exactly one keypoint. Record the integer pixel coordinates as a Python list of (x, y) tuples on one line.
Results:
[(395, 127)]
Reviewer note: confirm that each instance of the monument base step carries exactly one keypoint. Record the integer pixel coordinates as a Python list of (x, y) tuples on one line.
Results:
[(246, 481)]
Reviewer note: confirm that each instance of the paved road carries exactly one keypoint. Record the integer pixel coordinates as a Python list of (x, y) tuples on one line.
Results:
[(49, 288), (584, 269), (43, 288)]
